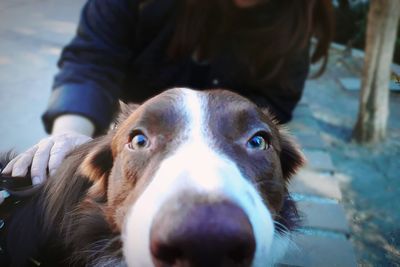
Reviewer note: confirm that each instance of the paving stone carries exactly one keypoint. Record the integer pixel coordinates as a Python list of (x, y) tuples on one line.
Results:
[(22, 106), (320, 251), (23, 61), (7, 4), (303, 101), (319, 160), (351, 84), (299, 127), (310, 140), (32, 33), (54, 21), (302, 111), (303, 125), (326, 216), (354, 84), (313, 183)]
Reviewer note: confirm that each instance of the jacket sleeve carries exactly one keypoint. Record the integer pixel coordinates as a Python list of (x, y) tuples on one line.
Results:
[(92, 67), (282, 97)]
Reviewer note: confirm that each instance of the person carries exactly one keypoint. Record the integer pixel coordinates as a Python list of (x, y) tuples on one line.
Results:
[(132, 50)]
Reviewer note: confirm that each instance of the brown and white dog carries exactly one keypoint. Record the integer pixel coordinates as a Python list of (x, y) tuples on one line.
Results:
[(186, 179)]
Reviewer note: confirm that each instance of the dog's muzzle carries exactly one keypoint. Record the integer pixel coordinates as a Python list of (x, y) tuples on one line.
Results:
[(202, 233)]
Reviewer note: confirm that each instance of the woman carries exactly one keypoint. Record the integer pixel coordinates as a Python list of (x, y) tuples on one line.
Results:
[(132, 50)]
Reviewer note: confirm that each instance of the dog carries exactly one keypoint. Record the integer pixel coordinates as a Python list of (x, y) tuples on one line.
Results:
[(188, 178)]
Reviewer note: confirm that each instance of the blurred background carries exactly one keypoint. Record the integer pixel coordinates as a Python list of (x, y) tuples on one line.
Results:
[(33, 32)]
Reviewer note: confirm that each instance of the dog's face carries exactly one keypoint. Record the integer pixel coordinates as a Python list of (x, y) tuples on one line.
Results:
[(197, 179)]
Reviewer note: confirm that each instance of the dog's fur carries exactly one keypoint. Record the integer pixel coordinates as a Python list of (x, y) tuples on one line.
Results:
[(100, 207)]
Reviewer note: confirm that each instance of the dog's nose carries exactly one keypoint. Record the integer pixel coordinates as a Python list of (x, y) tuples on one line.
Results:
[(205, 234)]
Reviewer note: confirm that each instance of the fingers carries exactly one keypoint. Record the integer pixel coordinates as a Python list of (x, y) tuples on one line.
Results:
[(48, 153), (40, 161), (62, 147), (57, 155), (23, 161), (10, 165), (36, 158)]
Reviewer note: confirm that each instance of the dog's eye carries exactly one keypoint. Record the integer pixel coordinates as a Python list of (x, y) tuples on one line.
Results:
[(138, 141), (258, 142)]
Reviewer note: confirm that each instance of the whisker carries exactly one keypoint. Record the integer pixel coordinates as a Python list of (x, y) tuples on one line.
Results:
[(282, 227), (100, 251)]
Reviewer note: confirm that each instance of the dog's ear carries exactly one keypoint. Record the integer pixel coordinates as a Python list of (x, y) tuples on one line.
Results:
[(97, 164), (125, 110), (99, 161), (84, 171), (290, 155)]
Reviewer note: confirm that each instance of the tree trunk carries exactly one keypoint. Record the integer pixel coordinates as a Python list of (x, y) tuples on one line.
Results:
[(383, 18)]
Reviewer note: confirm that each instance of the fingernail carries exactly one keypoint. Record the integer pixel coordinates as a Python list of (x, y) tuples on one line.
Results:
[(36, 180), (4, 194)]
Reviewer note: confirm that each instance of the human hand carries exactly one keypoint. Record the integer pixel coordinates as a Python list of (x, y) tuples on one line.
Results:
[(46, 155)]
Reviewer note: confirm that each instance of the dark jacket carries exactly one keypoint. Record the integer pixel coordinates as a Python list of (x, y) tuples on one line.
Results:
[(119, 52)]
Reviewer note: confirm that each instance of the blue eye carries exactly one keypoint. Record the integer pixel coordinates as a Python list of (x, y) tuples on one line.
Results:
[(257, 142), (139, 141)]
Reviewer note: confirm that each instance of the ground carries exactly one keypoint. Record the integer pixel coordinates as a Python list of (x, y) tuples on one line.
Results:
[(369, 175), (32, 33)]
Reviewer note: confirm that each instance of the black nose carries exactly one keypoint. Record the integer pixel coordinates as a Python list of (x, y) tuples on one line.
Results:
[(202, 234)]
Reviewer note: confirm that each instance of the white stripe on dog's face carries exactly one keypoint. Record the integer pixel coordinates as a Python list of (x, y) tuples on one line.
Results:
[(198, 167)]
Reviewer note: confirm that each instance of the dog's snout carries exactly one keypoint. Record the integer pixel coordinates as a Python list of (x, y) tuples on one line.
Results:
[(203, 234)]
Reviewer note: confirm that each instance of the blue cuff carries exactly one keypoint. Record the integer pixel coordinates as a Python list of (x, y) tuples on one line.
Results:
[(86, 101)]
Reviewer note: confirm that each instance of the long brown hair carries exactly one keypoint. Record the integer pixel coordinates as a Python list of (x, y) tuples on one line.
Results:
[(264, 38)]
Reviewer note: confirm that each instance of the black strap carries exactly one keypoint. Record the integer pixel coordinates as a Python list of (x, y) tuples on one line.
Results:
[(15, 185), (20, 189)]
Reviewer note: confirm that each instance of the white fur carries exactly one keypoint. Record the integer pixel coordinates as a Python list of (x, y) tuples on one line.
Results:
[(196, 166)]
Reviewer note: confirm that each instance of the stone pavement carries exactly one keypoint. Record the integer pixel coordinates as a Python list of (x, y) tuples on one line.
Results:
[(32, 33), (323, 239)]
